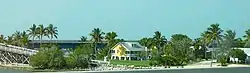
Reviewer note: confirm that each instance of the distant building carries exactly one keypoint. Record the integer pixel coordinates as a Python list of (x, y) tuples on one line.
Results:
[(127, 51)]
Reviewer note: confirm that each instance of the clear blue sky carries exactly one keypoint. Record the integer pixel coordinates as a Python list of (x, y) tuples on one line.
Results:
[(131, 19)]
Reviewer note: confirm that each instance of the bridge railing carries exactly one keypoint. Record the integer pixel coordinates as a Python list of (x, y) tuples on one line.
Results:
[(16, 49)]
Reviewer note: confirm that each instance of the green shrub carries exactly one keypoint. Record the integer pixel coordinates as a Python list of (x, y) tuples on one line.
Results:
[(223, 60), (77, 59), (48, 58)]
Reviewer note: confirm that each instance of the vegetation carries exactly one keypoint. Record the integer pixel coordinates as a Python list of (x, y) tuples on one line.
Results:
[(51, 31), (237, 53), (179, 50), (53, 58), (80, 57), (110, 37), (247, 38), (32, 32), (48, 58), (97, 36)]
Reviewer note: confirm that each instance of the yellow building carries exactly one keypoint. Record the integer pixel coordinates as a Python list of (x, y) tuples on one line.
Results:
[(127, 51)]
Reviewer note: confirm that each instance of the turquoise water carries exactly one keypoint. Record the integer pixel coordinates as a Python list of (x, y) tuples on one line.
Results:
[(5, 70), (214, 70)]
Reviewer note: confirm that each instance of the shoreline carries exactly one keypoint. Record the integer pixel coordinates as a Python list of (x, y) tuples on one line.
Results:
[(172, 68), (119, 69)]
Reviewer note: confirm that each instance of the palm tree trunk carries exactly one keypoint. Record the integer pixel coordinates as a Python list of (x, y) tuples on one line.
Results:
[(205, 53), (94, 51), (51, 41), (212, 54), (33, 42), (41, 37)]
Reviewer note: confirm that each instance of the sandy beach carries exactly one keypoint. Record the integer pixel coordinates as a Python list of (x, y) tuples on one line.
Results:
[(200, 65)]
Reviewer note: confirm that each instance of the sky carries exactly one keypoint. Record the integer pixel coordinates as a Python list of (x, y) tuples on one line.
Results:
[(130, 19)]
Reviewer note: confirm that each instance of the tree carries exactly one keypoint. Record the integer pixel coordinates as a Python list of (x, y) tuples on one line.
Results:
[(97, 36), (41, 30), (79, 58), (32, 31), (238, 53), (51, 31), (180, 45), (199, 50), (159, 41), (215, 34), (141, 55), (111, 39), (52, 58), (57, 60), (239, 42), (9, 40), (16, 38), (247, 38), (40, 60), (229, 37), (226, 45), (147, 42), (227, 42), (88, 51), (2, 38), (24, 39), (83, 39)]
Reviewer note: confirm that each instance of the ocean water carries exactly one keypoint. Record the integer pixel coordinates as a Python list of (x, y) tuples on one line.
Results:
[(7, 70), (211, 70)]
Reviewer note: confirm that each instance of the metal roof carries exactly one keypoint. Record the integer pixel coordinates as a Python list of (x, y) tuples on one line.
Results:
[(132, 46)]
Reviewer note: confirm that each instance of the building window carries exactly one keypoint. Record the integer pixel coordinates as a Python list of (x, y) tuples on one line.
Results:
[(135, 46), (127, 52), (132, 52), (112, 51)]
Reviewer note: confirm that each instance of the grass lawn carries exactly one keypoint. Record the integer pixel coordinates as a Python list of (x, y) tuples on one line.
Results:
[(127, 62)]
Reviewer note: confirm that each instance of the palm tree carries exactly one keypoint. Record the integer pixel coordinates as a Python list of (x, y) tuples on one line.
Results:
[(52, 31), (9, 40), (229, 38), (159, 41), (24, 39), (215, 34), (16, 38), (97, 37), (228, 43), (2, 38), (41, 32), (83, 39), (33, 33), (247, 37), (205, 40), (110, 37)]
